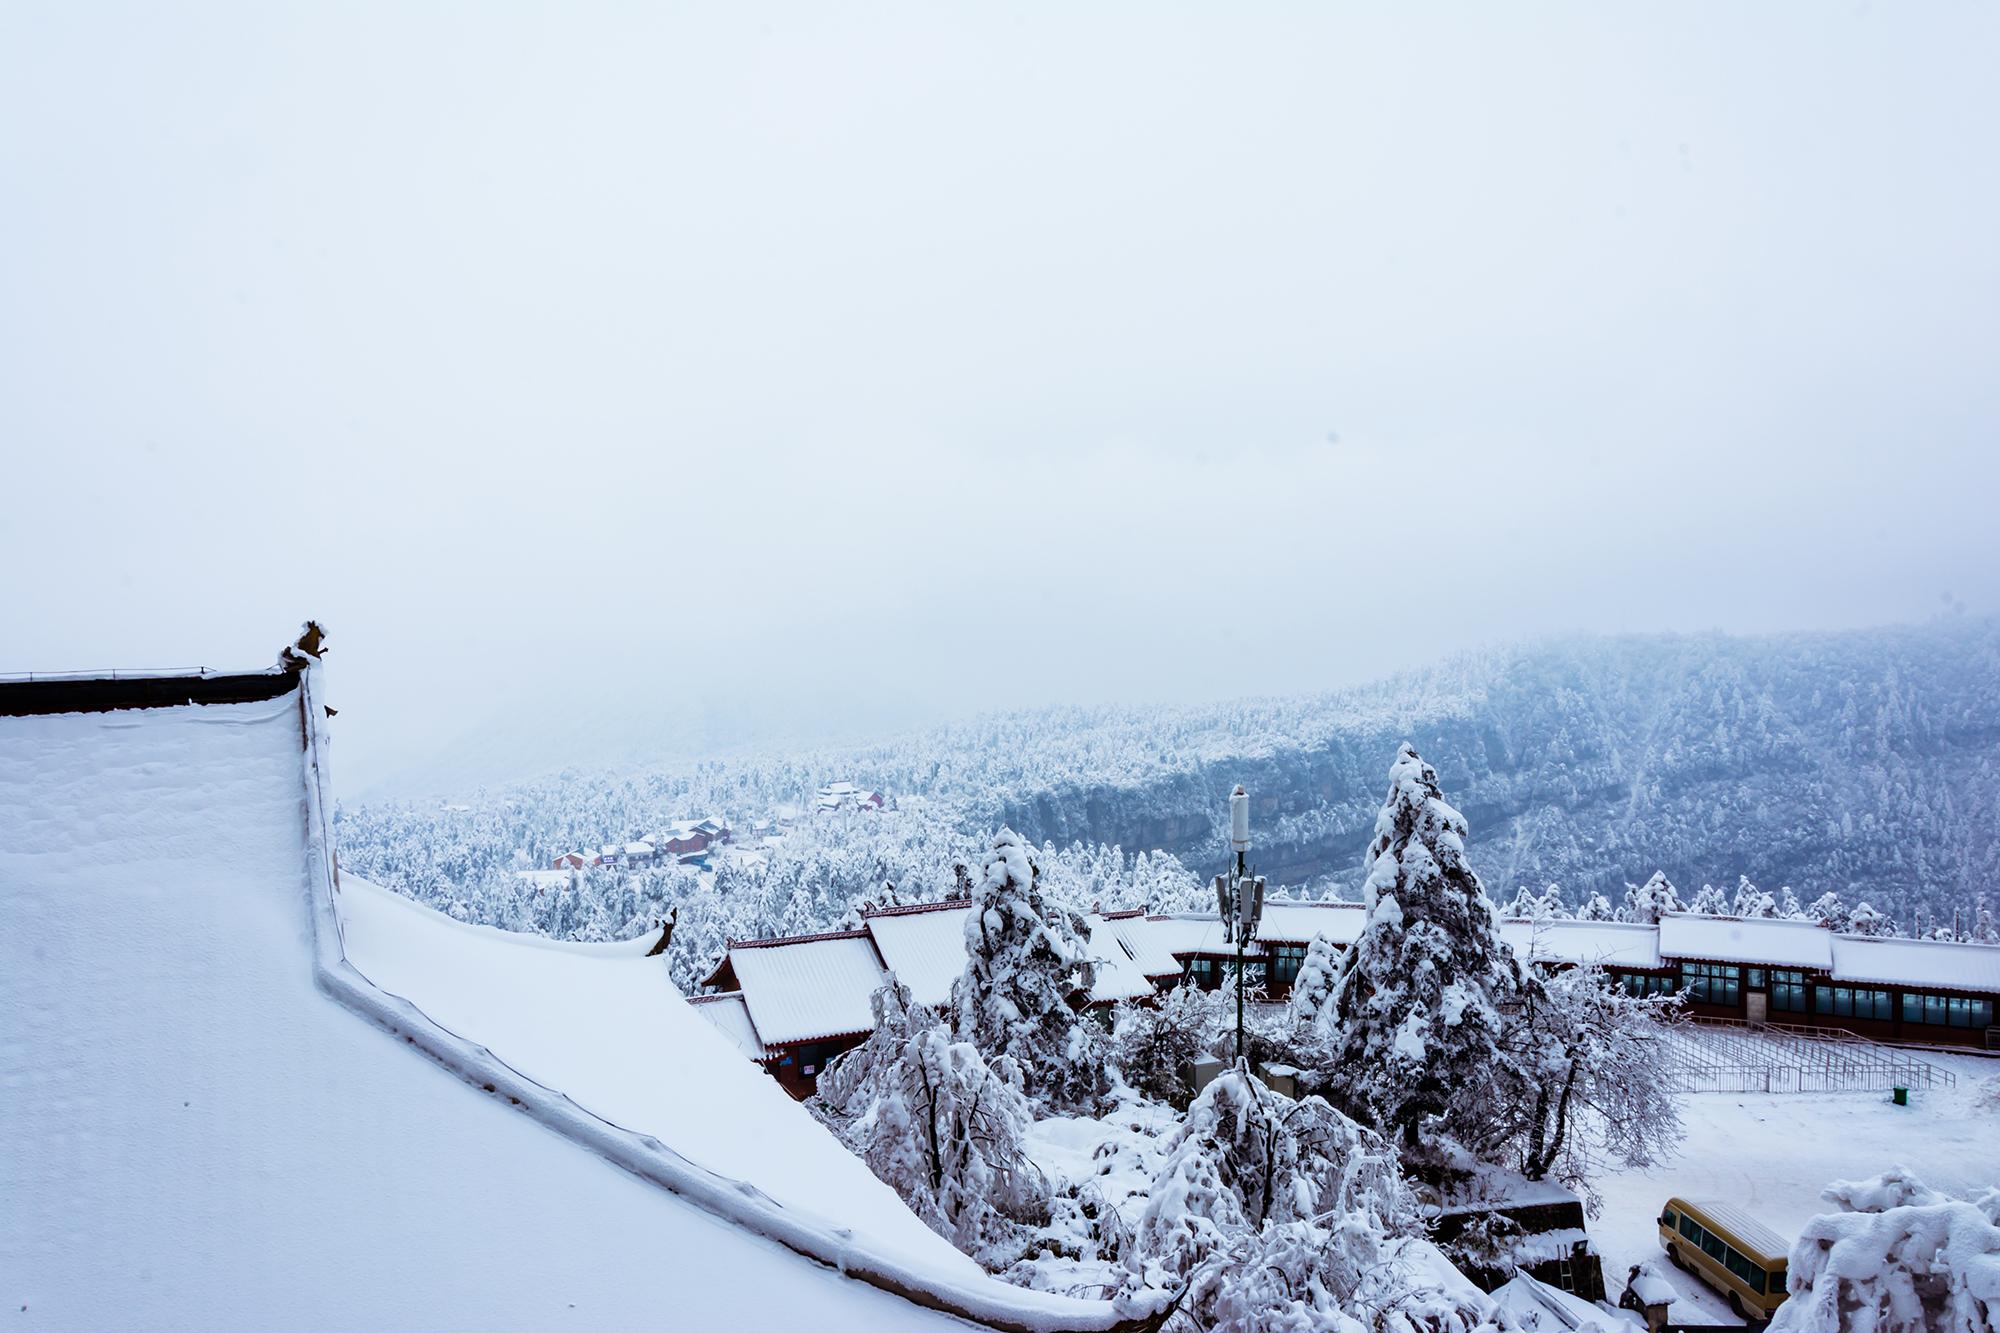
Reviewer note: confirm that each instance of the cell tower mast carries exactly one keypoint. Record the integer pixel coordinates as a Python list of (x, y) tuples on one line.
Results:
[(1239, 897)]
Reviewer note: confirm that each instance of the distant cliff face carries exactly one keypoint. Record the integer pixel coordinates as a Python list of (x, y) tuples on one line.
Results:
[(1868, 763)]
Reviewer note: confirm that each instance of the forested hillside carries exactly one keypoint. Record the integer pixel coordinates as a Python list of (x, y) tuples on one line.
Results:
[(1864, 763)]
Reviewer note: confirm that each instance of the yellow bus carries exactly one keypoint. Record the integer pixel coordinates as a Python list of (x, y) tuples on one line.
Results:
[(1729, 1250)]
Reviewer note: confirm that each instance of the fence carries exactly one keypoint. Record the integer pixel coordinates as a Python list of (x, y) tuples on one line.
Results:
[(1729, 1055)]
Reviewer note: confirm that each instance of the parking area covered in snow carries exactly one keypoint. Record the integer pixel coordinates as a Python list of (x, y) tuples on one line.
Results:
[(1773, 1154)]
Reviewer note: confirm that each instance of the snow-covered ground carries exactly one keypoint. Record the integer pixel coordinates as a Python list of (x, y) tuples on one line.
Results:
[(1774, 1154), (193, 1135)]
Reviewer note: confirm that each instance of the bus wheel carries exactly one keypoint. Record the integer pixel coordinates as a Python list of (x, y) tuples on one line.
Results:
[(1674, 1256), (1736, 1305)]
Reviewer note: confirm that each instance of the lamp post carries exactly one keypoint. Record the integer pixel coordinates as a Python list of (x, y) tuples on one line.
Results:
[(1239, 897)]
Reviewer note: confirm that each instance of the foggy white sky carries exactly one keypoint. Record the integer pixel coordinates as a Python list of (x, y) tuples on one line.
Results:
[(884, 361)]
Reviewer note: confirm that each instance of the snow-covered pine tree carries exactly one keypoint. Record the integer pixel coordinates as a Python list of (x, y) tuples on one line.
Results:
[(1596, 908), (1550, 905), (1828, 910), (1984, 930), (1865, 920), (1751, 901), (1419, 998), (1026, 960), (937, 1123), (1313, 986), (1788, 904), (1653, 900), (1161, 883), (1522, 907), (1709, 902)]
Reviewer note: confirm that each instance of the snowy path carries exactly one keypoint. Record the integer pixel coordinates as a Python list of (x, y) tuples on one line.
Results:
[(1774, 1154)]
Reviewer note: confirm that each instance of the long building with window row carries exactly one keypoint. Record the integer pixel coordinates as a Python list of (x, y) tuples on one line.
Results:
[(793, 1004)]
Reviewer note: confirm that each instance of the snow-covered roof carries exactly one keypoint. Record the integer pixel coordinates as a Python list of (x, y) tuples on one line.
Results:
[(1538, 1307), (1917, 963), (1118, 979), (183, 824), (1146, 947), (1286, 922), (1608, 943), (802, 990), (1754, 940), (638, 849), (1187, 933), (1735, 1219), (925, 948), (731, 1017)]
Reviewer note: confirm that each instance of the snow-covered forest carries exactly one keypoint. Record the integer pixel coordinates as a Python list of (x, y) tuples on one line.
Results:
[(1864, 764)]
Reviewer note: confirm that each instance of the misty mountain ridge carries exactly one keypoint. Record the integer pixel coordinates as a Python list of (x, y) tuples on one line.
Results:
[(1862, 762)]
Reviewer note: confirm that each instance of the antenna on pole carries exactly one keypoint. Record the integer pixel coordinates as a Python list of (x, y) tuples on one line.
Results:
[(1239, 897)]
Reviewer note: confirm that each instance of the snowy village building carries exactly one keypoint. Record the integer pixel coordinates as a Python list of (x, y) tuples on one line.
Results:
[(803, 1000)]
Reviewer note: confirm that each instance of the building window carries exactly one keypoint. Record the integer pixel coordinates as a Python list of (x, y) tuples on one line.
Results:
[(1201, 971), (1639, 985), (1712, 983), (1286, 959), (1848, 1002), (1753, 979), (1956, 1011), (1788, 991)]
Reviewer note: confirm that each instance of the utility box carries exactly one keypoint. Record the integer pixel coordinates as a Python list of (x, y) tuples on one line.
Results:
[(1281, 1079), (1205, 1072)]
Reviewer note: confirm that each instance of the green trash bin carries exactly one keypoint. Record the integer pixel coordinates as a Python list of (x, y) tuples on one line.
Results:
[(1900, 1095)]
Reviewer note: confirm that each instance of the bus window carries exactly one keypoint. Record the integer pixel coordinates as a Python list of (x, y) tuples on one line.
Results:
[(1689, 1229), (1774, 1282), (1667, 1219), (1712, 1247)]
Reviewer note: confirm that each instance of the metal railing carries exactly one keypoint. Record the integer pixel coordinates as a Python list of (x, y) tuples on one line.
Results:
[(1731, 1055)]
